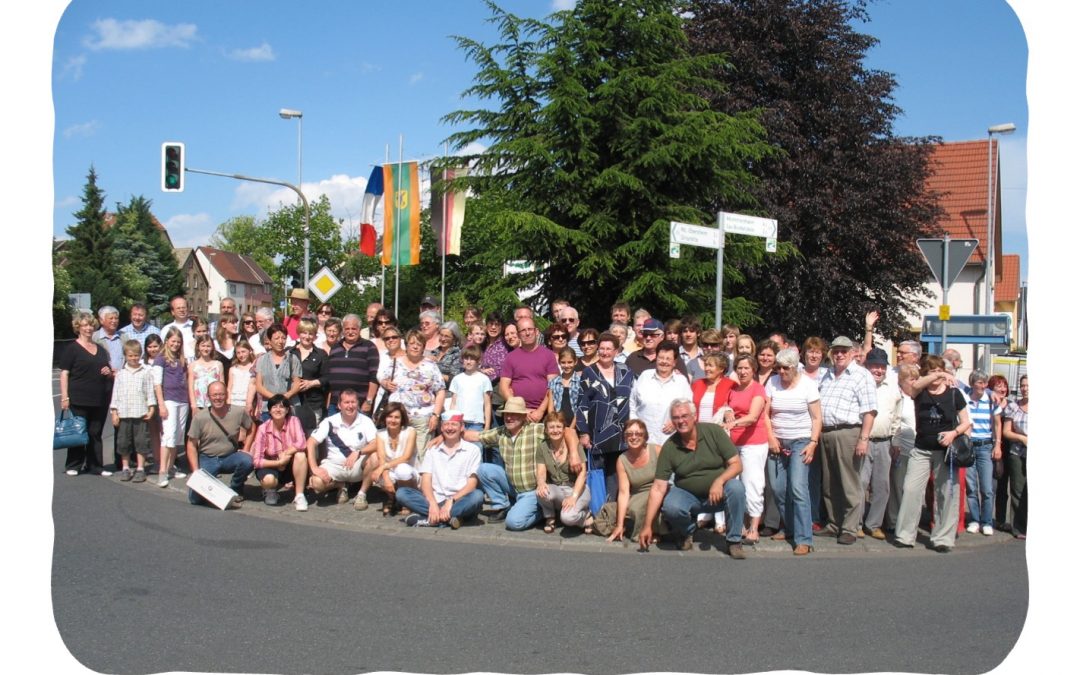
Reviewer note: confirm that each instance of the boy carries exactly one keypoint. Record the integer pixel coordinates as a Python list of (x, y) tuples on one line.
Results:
[(132, 406), (471, 391)]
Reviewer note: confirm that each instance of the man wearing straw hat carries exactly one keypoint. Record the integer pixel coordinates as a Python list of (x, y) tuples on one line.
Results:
[(298, 303)]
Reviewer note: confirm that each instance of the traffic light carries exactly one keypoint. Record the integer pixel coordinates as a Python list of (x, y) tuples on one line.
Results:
[(172, 166)]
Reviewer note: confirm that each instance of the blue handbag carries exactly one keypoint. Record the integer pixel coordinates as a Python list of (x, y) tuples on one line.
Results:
[(597, 484), (70, 431)]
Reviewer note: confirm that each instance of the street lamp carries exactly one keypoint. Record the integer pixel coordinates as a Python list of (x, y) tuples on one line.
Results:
[(988, 270), (298, 115)]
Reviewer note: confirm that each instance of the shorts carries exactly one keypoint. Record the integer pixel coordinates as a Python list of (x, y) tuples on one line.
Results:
[(131, 436), (173, 428), (282, 476), (339, 473)]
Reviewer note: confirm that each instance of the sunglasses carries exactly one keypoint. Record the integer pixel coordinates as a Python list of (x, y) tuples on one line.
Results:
[(325, 311), (710, 344), (391, 337), (587, 343), (383, 322), (558, 336), (248, 321)]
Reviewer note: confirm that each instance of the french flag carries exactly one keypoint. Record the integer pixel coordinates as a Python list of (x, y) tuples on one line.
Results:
[(372, 194)]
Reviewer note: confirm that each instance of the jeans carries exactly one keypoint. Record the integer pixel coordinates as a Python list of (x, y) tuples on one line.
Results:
[(474, 426), (791, 489), (466, 507), (814, 481), (524, 513), (681, 508), (239, 464), (980, 484)]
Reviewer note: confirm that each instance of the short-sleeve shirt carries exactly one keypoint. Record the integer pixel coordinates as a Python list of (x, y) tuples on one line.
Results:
[(528, 372), (518, 452), (741, 402), (695, 470), (558, 473), (417, 385), (172, 378), (277, 377), (470, 390), (450, 472), (207, 436), (790, 408), (86, 385), (847, 396), (354, 436), (354, 368), (934, 414)]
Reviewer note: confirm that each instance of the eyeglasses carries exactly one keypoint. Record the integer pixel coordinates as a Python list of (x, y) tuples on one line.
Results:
[(391, 337), (558, 336), (586, 343), (325, 311), (384, 322), (249, 321), (710, 344), (633, 434), (569, 320)]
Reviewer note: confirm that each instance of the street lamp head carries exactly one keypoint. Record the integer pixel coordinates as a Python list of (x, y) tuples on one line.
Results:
[(289, 113), (1006, 128)]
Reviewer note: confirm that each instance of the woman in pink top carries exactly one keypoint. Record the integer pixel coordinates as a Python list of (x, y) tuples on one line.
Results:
[(750, 435), (278, 453)]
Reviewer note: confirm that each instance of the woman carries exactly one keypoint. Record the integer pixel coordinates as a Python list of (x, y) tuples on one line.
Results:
[(1015, 432), (554, 489), (448, 355), (85, 390), (249, 329), (711, 392), (314, 375), (510, 337), (766, 361), (564, 389), (588, 342), (604, 407), (673, 330), (473, 316), (394, 461), (999, 387), (556, 337), (749, 432), (384, 318), (635, 472), (940, 416), (814, 350), (323, 313), (278, 452), (391, 337), (793, 415), (228, 330), (277, 371), (495, 353), (493, 326), (986, 441), (416, 382), (744, 344), (331, 334)]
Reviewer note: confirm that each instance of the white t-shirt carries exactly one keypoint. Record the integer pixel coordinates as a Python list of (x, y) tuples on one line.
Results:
[(470, 391), (450, 472), (790, 407)]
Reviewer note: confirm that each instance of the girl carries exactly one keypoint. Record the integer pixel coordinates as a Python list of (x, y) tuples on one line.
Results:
[(151, 349), (563, 391), (554, 488), (476, 335), (170, 386), (242, 377), (204, 370)]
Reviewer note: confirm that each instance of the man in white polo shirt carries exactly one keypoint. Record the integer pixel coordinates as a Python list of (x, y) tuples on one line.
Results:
[(348, 437), (448, 493)]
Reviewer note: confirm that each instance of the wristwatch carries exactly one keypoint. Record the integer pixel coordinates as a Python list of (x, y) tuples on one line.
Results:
[(368, 401)]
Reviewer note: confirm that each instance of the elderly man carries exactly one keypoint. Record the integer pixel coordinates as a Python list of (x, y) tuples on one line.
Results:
[(848, 408), (219, 442), (369, 319), (701, 462), (264, 318), (448, 493), (656, 389), (528, 369), (109, 337), (884, 443), (650, 333), (569, 318), (178, 307), (298, 307), (353, 364), (139, 328), (347, 437), (225, 306)]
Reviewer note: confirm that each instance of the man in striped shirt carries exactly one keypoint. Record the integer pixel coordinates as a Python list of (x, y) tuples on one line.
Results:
[(354, 364)]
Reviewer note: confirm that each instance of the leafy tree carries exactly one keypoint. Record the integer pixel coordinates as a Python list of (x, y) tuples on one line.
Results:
[(600, 136), (89, 253), (61, 307), (144, 258), (846, 191)]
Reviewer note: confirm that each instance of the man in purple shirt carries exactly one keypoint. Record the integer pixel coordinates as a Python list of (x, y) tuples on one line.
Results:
[(527, 370)]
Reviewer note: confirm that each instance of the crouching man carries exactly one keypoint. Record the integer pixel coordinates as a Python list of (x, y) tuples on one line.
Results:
[(218, 441), (448, 493), (348, 438)]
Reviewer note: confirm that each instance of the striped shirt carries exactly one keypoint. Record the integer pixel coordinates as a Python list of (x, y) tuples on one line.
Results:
[(352, 368), (847, 396), (982, 414), (133, 392), (130, 332)]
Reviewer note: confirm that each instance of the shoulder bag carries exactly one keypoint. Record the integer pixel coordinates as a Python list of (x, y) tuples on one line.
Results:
[(70, 431), (960, 453)]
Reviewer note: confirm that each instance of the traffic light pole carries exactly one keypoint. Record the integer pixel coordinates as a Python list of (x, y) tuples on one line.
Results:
[(271, 181)]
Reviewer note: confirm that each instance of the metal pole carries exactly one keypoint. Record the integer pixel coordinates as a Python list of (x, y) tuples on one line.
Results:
[(300, 182), (445, 229), (719, 271), (944, 289), (382, 267), (397, 227)]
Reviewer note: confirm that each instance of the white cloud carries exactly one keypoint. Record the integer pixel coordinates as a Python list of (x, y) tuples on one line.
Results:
[(190, 229), (473, 148), (147, 33), (366, 67), (345, 192), (82, 129), (263, 52), (67, 202), (73, 67), (415, 77), (559, 5)]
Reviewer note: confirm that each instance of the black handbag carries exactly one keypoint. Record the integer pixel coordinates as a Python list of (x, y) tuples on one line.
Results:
[(70, 431), (961, 453)]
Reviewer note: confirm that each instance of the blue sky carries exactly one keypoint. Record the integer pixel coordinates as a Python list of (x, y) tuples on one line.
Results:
[(128, 75)]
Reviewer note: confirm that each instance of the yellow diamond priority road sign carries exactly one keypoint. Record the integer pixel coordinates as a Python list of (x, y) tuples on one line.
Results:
[(324, 284)]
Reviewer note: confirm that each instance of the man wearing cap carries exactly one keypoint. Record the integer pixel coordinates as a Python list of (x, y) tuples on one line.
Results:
[(527, 370), (649, 336), (848, 408), (514, 480), (448, 493), (298, 303), (884, 442)]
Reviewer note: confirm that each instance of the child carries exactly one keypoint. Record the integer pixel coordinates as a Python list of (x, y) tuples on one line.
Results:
[(242, 377), (152, 347), (563, 391), (132, 406), (203, 370), (170, 385), (470, 391)]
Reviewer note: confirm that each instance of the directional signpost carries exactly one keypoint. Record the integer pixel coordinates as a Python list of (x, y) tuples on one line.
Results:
[(713, 237), (946, 258)]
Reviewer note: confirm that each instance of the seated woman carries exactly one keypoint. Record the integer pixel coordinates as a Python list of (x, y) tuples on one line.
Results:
[(635, 469), (554, 490), (279, 453), (394, 461)]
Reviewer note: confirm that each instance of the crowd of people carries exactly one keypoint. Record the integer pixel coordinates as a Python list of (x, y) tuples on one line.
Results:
[(641, 429)]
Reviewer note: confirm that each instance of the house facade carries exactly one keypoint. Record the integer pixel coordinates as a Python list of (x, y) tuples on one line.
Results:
[(236, 276), (196, 285)]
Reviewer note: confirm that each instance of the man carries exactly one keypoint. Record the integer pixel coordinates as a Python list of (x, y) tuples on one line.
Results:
[(430, 304), (298, 304), (557, 307), (369, 319), (650, 333), (701, 460), (884, 443), (219, 442), (178, 307), (448, 493), (620, 312), (348, 437), (225, 306), (511, 488), (353, 365), (569, 318), (523, 312), (429, 328), (656, 389), (108, 336), (528, 369), (781, 340), (848, 408), (689, 350), (139, 328)]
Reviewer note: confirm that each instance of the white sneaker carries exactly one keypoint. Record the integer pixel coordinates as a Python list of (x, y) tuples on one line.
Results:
[(163, 482), (973, 528), (300, 502), (71, 472), (179, 474), (105, 473), (988, 530)]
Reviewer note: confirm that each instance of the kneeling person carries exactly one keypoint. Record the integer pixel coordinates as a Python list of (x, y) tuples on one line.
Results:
[(279, 453), (448, 491), (218, 441), (349, 437)]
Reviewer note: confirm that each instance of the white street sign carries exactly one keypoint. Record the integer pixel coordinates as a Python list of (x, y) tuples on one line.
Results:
[(736, 223), (770, 245), (694, 235), (324, 284)]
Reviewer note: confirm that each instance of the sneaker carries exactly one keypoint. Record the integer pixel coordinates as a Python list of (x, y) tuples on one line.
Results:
[(988, 530), (139, 477), (125, 475), (179, 474), (736, 551), (973, 528), (270, 497), (497, 516), (415, 520), (300, 502), (106, 473), (71, 472), (455, 523), (361, 502), (163, 482), (343, 495)]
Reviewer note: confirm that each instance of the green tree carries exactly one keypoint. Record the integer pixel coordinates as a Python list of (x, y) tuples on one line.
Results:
[(61, 306), (601, 135), (144, 258), (847, 192), (89, 253)]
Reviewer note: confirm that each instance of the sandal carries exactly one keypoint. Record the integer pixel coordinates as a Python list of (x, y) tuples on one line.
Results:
[(549, 526), (589, 525)]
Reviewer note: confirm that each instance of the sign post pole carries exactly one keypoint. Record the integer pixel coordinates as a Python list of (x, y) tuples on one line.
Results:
[(719, 270)]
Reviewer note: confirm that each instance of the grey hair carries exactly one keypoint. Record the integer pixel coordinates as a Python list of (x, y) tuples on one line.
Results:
[(264, 312), (431, 314), (618, 324), (351, 317), (107, 310), (977, 375), (683, 402), (454, 329), (642, 312), (788, 357), (915, 345)]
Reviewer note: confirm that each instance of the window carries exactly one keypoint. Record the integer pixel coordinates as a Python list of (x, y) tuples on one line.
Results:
[(232, 288)]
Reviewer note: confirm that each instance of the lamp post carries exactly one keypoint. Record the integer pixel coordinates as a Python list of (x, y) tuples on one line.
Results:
[(988, 269), (298, 115)]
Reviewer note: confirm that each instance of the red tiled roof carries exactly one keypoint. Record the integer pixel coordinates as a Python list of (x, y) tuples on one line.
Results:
[(1008, 285), (236, 266), (959, 176)]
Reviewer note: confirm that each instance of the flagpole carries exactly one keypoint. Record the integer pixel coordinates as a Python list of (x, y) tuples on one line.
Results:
[(382, 268), (442, 235), (397, 227)]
